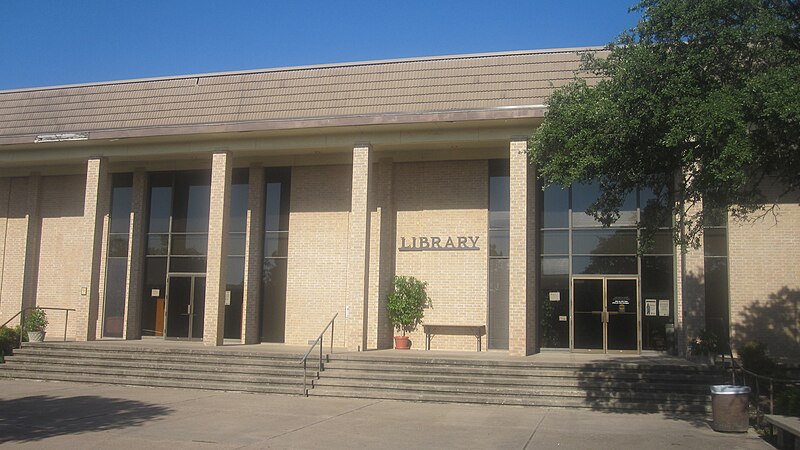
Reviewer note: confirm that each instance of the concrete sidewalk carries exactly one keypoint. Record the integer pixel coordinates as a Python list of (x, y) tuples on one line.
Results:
[(37, 414)]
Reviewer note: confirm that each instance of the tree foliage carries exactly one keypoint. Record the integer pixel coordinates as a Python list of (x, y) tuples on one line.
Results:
[(700, 100)]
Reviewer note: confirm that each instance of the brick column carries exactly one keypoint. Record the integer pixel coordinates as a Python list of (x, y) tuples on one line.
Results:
[(217, 265), (32, 242), (358, 252), (690, 304), (522, 325), (95, 207), (132, 327), (253, 259)]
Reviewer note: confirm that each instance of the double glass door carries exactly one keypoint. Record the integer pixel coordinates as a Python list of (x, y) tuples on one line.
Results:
[(186, 294), (605, 314)]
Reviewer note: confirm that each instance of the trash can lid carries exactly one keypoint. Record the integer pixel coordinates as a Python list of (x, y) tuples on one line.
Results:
[(729, 389)]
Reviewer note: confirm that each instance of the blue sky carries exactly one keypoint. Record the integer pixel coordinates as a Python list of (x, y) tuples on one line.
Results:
[(53, 42)]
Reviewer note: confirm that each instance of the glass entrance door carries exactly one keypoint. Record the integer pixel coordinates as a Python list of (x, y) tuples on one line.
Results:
[(185, 306), (605, 316)]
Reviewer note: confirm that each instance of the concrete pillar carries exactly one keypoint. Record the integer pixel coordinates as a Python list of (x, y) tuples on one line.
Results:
[(33, 242), (217, 265), (137, 235), (254, 254), (95, 207), (522, 314), (358, 252)]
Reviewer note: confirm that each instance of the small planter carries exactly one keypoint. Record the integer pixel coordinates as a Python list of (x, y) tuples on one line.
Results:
[(402, 343), (36, 336)]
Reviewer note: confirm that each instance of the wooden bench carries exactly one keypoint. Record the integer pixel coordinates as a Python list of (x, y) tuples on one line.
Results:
[(788, 431), (432, 330)]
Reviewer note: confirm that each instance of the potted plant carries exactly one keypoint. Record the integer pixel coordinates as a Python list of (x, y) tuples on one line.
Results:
[(704, 348), (406, 305), (35, 324)]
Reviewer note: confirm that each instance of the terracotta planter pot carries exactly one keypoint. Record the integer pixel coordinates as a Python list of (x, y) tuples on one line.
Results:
[(402, 343)]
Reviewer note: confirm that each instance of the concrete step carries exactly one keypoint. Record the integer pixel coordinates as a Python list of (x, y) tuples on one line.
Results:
[(516, 391), (133, 355), (177, 374), (165, 364), (530, 371), (570, 380), (556, 402), (148, 381)]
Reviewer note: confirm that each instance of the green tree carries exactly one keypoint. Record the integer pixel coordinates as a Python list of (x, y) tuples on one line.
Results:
[(700, 100)]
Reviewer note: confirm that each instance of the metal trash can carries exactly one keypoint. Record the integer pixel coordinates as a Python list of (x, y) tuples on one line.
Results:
[(729, 408)]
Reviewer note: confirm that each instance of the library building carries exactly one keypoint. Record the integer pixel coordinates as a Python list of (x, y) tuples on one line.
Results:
[(252, 207)]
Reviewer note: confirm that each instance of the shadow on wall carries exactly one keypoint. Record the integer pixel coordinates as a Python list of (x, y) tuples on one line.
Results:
[(38, 417), (774, 322)]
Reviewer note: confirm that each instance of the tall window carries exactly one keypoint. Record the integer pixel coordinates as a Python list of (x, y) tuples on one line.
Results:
[(499, 205), (276, 252), (237, 227), (715, 249), (117, 255)]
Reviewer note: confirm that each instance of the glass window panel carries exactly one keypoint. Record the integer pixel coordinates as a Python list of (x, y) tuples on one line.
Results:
[(556, 207), (276, 244), (187, 264), (236, 244), (235, 271), (155, 273), (238, 209), (555, 242), (584, 195), (714, 217), (716, 292), (715, 242), (498, 304), (114, 305), (273, 300), (272, 220), (654, 209), (498, 243), (160, 209), (657, 277), (157, 244), (499, 193), (604, 265), (117, 245), (153, 305), (189, 244), (554, 319), (604, 242), (662, 243), (555, 265), (120, 213)]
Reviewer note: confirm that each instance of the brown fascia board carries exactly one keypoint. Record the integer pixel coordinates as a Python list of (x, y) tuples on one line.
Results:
[(496, 113)]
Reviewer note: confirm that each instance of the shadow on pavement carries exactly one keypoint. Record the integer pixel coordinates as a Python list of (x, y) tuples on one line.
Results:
[(38, 417)]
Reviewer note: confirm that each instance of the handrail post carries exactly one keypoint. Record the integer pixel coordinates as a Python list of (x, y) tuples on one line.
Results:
[(333, 323), (304, 377), (66, 321), (319, 367)]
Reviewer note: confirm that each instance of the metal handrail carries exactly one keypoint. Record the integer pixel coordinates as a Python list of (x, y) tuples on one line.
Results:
[(319, 340), (772, 380), (28, 308)]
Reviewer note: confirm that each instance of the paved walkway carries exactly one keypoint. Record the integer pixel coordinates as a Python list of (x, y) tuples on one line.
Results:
[(38, 415)]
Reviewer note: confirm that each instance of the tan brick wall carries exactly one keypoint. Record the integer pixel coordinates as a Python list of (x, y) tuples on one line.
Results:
[(445, 199), (14, 226), (63, 244), (317, 266), (764, 271), (521, 293), (216, 267)]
